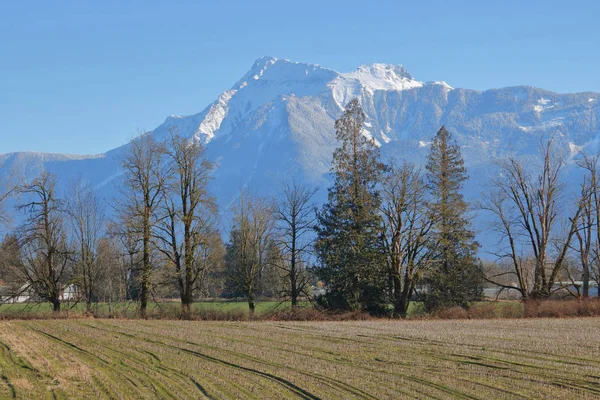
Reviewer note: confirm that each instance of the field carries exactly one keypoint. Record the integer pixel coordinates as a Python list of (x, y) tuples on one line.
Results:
[(93, 358)]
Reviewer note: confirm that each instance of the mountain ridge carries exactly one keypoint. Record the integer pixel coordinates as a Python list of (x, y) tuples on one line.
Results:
[(265, 61), (277, 122)]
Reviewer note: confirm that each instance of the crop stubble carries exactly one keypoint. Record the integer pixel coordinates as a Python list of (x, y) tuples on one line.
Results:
[(537, 358)]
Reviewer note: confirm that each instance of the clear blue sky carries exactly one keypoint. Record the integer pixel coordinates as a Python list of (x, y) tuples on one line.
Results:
[(84, 76)]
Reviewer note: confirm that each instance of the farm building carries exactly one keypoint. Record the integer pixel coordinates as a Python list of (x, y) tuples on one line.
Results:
[(24, 294)]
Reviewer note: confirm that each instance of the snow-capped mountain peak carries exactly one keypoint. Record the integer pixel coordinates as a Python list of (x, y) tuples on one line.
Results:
[(383, 72), (268, 79), (371, 78), (280, 71)]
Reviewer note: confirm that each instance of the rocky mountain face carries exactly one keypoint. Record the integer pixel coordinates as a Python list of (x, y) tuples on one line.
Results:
[(277, 122)]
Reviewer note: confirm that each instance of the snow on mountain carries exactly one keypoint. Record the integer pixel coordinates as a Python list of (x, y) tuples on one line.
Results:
[(277, 122), (371, 78)]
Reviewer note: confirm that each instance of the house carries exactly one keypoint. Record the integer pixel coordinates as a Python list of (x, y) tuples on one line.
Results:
[(11, 296), (25, 294), (69, 293)]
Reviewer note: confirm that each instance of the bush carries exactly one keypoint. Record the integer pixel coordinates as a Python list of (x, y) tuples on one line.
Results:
[(454, 287)]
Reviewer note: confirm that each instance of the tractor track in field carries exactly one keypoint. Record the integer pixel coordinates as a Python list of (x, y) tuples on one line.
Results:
[(338, 385), (335, 383)]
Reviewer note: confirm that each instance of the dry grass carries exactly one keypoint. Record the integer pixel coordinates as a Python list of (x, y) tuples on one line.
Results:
[(514, 309), (562, 308), (275, 311), (92, 358)]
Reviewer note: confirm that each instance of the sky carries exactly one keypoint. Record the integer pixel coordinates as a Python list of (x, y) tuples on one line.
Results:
[(84, 77)]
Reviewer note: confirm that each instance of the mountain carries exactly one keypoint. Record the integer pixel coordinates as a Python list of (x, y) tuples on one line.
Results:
[(277, 122)]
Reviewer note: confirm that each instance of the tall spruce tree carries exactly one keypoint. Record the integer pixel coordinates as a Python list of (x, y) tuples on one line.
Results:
[(456, 279), (349, 242)]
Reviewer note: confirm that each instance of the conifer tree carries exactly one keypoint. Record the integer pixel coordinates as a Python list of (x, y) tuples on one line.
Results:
[(349, 242), (456, 278)]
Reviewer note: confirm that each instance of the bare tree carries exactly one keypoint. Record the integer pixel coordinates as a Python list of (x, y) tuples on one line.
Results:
[(8, 188), (210, 263), (46, 257), (125, 232), (295, 223), (408, 226), (527, 210), (250, 244), (187, 227), (87, 223), (144, 184), (10, 263), (112, 283), (588, 232)]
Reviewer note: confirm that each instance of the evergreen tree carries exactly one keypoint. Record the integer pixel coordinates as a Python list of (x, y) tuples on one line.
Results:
[(349, 242), (456, 278)]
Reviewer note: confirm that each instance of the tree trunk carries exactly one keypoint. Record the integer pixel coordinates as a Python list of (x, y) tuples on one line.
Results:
[(186, 308), (402, 293), (186, 302), (294, 298), (586, 280), (294, 291), (398, 300), (55, 305), (143, 299), (146, 268), (188, 286), (251, 304)]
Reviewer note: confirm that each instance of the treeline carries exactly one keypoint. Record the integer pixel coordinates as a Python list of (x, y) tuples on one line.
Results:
[(163, 239), (549, 237), (387, 233)]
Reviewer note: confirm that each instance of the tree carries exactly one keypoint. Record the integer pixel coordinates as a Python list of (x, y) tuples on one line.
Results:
[(250, 245), (144, 181), (11, 258), (46, 264), (588, 231), (187, 228), (456, 279), (349, 241), (295, 222), (210, 264), (125, 231), (527, 209), (7, 190), (409, 243), (87, 223), (112, 283)]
